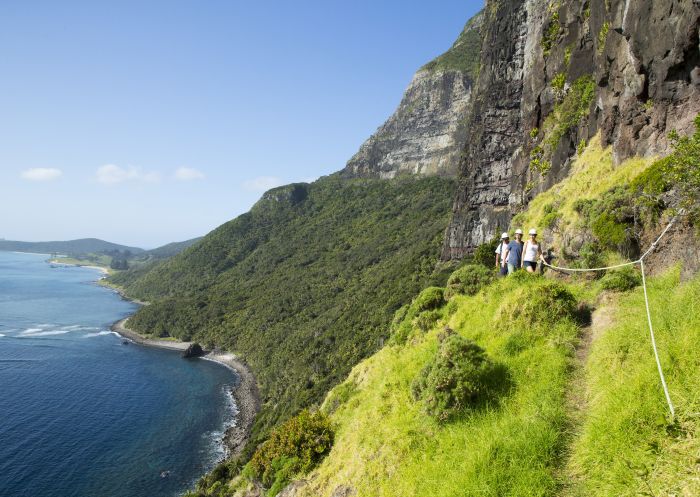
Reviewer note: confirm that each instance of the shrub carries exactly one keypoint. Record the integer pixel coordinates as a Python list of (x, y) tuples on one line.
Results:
[(484, 253), (544, 303), (454, 380), (430, 298), (294, 447), (621, 280), (550, 34), (609, 232), (468, 280), (558, 84), (568, 114), (427, 319), (602, 36)]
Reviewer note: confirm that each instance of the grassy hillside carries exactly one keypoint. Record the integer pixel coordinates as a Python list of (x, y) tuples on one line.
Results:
[(303, 285), (508, 446)]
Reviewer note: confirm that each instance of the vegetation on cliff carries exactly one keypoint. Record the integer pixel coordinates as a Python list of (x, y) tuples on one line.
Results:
[(465, 53), (303, 285)]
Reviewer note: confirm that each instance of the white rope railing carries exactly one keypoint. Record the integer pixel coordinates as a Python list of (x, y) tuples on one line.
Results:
[(639, 261)]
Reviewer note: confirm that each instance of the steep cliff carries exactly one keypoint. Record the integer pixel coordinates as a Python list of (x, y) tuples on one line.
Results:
[(426, 134), (552, 76)]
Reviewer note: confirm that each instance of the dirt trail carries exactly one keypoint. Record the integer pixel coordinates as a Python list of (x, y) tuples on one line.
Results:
[(602, 318)]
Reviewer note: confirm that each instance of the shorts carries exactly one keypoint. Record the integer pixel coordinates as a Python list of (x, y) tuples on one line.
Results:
[(503, 271), (532, 264), (512, 268)]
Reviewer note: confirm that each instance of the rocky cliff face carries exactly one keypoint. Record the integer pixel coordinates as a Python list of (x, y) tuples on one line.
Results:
[(426, 134), (551, 76)]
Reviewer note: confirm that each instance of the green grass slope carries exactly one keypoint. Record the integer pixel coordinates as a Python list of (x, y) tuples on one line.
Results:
[(626, 445), (303, 285), (386, 445)]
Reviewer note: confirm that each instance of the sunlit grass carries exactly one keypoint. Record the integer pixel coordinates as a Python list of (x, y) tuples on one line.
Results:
[(385, 445), (593, 173), (627, 446)]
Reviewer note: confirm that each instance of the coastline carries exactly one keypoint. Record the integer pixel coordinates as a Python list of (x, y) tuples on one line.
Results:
[(56, 262), (245, 391)]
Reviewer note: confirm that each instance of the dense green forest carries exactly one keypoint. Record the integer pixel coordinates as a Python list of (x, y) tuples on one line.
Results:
[(303, 285)]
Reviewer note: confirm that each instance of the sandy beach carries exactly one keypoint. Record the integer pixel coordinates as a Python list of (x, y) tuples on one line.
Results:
[(245, 392), (57, 262)]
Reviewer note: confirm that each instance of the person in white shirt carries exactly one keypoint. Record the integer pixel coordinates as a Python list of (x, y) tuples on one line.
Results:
[(501, 250), (532, 252)]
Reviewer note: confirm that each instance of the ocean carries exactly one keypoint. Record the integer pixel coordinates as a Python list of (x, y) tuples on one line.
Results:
[(84, 415)]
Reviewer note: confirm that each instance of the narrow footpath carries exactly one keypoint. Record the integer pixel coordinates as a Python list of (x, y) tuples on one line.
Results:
[(577, 394)]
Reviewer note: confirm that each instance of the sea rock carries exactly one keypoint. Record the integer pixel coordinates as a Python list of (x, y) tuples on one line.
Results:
[(194, 350)]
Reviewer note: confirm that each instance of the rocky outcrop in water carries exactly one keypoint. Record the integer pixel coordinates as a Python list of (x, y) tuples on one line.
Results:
[(552, 76), (193, 350), (426, 134)]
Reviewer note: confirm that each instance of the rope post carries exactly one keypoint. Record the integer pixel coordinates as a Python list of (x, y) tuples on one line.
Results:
[(653, 343)]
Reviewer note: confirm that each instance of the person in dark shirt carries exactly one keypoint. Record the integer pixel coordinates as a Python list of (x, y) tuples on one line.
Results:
[(514, 252)]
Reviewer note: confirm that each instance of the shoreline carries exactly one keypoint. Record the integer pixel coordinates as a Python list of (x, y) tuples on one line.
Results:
[(245, 391), (57, 262)]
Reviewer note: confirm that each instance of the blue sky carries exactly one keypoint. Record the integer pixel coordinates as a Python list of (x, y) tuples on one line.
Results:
[(149, 122)]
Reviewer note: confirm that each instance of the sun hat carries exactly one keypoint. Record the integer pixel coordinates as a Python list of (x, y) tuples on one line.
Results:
[(533, 231), (518, 231), (504, 235)]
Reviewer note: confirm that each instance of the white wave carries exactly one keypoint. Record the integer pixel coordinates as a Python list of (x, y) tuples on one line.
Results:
[(31, 330), (40, 333), (100, 333), (1, 335), (45, 325)]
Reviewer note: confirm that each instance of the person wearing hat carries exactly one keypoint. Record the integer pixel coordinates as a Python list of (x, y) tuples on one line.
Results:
[(532, 252), (514, 252), (501, 264)]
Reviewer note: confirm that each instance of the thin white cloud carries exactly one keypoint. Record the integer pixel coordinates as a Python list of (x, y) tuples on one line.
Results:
[(42, 174), (188, 174), (111, 174), (262, 183)]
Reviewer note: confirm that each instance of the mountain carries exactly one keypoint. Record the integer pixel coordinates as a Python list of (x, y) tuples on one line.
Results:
[(170, 249), (427, 132), (70, 247)]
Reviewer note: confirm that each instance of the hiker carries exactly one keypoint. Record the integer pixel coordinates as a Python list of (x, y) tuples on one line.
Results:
[(501, 264), (514, 252), (532, 252)]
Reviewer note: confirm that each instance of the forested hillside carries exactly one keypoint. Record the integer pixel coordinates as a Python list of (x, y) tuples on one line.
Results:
[(304, 284)]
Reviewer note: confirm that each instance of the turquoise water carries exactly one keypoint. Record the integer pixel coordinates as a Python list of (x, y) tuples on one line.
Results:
[(81, 413)]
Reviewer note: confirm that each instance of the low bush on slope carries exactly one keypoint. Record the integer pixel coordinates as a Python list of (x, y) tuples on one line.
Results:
[(305, 284)]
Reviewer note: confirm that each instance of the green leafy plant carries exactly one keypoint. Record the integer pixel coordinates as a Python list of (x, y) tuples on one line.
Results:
[(581, 147), (550, 34), (567, 56), (570, 111), (622, 279), (430, 298), (602, 36), (468, 280), (558, 84), (455, 379), (294, 447), (545, 303)]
